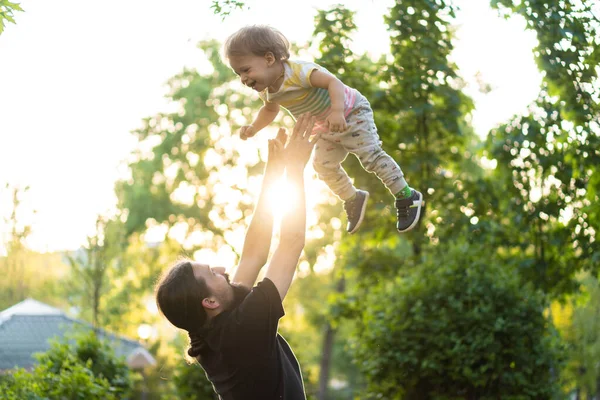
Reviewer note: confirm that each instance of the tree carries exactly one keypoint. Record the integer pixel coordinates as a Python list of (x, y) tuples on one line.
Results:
[(175, 182), (14, 264), (424, 123), (547, 157), (332, 33), (7, 10), (580, 315), (26, 273), (94, 266), (469, 203), (419, 110), (224, 8)]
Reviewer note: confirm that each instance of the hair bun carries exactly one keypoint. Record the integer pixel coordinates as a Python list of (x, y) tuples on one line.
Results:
[(196, 344)]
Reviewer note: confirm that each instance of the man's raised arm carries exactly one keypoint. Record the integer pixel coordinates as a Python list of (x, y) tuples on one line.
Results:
[(258, 237), (293, 224)]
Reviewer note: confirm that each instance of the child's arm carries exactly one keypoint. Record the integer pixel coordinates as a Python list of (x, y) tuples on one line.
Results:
[(265, 116), (335, 87)]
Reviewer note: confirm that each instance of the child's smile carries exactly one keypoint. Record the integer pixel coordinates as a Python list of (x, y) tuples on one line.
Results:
[(256, 72)]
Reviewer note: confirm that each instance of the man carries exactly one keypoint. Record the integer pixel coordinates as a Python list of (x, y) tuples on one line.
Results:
[(232, 329)]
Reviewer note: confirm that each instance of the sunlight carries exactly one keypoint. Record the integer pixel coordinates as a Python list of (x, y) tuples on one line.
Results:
[(281, 197), (145, 331)]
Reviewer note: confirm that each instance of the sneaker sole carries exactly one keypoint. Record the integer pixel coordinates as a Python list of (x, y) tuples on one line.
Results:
[(416, 221), (362, 214)]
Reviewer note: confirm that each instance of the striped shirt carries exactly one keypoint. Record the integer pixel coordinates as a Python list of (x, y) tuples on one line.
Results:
[(298, 96)]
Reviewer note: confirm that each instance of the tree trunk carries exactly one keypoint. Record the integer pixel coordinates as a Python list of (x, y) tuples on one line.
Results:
[(325, 362), (328, 341)]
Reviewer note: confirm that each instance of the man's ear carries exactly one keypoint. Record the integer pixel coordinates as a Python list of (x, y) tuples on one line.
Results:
[(210, 303), (270, 57)]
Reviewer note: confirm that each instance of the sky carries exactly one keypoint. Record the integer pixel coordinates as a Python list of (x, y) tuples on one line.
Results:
[(76, 77)]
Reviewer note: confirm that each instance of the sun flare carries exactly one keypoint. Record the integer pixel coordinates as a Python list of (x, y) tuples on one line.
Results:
[(282, 196)]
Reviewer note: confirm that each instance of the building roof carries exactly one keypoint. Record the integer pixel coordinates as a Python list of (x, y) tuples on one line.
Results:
[(27, 327), (29, 307)]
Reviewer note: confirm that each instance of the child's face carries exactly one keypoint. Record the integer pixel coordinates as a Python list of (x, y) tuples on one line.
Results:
[(256, 72)]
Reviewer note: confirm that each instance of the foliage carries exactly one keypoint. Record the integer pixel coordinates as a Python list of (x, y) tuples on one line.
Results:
[(224, 8), (87, 369), (7, 9), (129, 297), (191, 382), (25, 273), (174, 180), (550, 150), (582, 339), (93, 266), (567, 51), (14, 263), (547, 157), (75, 381), (96, 355), (424, 105), (461, 328)]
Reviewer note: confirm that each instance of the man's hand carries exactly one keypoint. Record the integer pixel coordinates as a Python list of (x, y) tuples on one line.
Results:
[(293, 224), (299, 147), (276, 158), (336, 121), (247, 131)]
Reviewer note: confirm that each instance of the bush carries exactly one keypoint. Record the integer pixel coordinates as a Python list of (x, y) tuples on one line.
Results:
[(460, 327), (191, 382), (87, 369), (20, 385)]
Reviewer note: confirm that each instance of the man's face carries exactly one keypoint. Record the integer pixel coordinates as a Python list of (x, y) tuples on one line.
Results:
[(216, 280)]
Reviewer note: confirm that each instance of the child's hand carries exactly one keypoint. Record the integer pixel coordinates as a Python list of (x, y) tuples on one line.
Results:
[(247, 131), (336, 121)]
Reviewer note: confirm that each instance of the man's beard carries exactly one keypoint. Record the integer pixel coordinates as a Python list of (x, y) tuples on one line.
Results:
[(239, 292)]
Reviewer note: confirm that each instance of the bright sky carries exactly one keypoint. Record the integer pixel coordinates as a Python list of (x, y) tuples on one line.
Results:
[(76, 77)]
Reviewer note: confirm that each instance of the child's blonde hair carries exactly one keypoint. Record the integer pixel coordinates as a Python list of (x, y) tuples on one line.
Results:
[(257, 40)]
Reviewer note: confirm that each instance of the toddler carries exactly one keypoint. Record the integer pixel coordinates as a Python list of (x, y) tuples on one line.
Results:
[(260, 56)]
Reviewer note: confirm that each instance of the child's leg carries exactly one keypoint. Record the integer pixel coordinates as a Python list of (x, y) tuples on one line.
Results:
[(327, 164), (362, 139)]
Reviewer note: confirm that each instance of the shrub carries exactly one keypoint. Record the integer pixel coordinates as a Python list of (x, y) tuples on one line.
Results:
[(460, 327), (87, 369)]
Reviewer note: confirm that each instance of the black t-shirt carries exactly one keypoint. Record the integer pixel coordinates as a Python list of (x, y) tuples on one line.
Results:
[(245, 358)]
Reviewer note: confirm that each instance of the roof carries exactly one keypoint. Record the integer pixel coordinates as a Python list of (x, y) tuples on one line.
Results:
[(29, 307), (26, 328)]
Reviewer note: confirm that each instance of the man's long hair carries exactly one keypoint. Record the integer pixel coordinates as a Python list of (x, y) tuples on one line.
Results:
[(179, 296)]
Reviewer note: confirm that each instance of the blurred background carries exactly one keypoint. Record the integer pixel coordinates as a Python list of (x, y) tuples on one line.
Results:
[(119, 152)]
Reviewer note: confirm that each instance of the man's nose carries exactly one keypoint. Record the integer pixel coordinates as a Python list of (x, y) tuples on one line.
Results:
[(218, 270)]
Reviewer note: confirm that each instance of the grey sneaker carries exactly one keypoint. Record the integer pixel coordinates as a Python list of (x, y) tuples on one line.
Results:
[(355, 210), (409, 211)]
